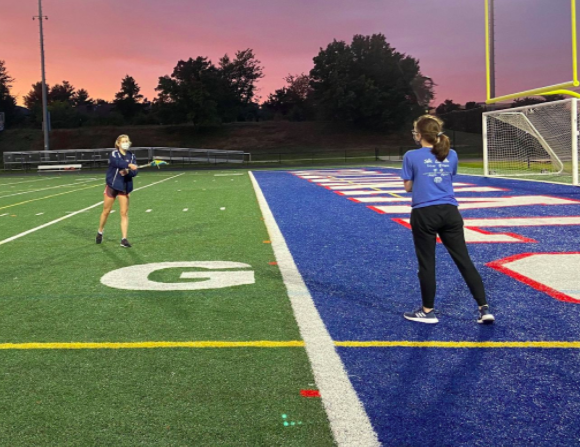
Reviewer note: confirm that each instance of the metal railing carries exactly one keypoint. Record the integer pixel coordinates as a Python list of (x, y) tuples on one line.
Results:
[(194, 158)]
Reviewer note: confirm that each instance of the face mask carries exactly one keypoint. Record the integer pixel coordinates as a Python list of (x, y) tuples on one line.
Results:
[(125, 146)]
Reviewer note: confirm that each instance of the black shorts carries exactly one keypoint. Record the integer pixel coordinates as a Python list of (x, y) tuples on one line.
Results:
[(113, 193)]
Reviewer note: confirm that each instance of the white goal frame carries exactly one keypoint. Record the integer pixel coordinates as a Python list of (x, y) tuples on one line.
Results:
[(523, 141)]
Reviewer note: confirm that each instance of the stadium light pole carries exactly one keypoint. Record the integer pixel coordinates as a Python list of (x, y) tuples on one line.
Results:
[(45, 123), (492, 48)]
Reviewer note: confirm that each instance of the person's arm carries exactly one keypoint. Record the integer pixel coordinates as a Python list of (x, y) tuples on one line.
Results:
[(133, 166), (407, 174), (117, 161)]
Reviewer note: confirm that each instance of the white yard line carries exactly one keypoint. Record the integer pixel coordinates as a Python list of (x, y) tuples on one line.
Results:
[(28, 181), (45, 189), (348, 419), (40, 227)]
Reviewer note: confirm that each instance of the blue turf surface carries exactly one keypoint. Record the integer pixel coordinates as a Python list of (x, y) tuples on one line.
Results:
[(360, 268)]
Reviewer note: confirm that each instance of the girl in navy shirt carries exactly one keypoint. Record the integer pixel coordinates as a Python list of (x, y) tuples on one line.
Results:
[(122, 168), (428, 173)]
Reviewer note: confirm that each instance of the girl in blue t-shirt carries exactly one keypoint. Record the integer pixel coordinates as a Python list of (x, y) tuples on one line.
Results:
[(428, 173)]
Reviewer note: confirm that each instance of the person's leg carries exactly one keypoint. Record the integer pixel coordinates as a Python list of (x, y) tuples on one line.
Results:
[(453, 238), (423, 223), (124, 210), (107, 206)]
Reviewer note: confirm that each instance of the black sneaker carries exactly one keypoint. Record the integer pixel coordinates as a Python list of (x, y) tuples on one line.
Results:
[(99, 238), (485, 316), (421, 316), (125, 243)]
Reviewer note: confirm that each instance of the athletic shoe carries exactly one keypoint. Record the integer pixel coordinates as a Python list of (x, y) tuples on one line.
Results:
[(99, 238), (421, 316), (485, 316), (125, 243)]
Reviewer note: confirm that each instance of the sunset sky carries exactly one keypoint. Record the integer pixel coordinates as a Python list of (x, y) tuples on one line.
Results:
[(94, 43)]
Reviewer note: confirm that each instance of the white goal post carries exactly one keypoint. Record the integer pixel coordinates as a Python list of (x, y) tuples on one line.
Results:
[(530, 141)]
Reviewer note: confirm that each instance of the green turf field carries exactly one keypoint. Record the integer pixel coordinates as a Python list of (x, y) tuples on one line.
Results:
[(51, 293)]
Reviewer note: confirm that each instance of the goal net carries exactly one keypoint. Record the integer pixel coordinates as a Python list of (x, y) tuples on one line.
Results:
[(532, 141)]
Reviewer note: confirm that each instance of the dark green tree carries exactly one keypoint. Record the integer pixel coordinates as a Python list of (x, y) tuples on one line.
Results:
[(64, 92), (447, 106), (33, 99), (291, 102), (193, 93), (82, 98), (242, 73), (7, 101), (367, 83), (527, 101), (128, 100), (550, 98)]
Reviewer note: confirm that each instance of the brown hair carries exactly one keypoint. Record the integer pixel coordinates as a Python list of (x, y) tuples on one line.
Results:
[(431, 129)]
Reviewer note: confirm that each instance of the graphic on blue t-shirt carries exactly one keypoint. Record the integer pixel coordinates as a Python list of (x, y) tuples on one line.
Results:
[(432, 179)]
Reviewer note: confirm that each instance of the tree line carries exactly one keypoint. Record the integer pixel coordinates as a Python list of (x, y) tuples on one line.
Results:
[(366, 83)]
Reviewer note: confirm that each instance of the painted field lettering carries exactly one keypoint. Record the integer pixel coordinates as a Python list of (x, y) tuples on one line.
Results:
[(213, 275)]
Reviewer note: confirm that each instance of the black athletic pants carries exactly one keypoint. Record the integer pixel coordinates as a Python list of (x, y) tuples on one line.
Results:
[(446, 221)]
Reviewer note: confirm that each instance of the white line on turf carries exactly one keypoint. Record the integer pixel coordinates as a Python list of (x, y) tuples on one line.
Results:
[(44, 189), (225, 175), (10, 239), (28, 181), (185, 209), (348, 419), (148, 211), (5, 214), (40, 214)]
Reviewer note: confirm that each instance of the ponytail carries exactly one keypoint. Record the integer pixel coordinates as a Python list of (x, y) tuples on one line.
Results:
[(431, 129), (441, 147)]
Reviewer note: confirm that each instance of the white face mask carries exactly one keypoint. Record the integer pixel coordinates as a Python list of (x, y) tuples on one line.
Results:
[(125, 146)]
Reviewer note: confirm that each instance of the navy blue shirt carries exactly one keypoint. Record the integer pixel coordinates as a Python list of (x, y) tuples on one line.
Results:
[(119, 176), (432, 179)]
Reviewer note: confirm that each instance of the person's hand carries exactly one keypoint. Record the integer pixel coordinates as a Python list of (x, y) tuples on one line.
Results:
[(133, 167)]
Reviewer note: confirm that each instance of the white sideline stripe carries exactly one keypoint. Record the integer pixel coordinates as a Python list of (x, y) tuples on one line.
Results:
[(40, 227), (44, 189), (348, 420), (28, 181)]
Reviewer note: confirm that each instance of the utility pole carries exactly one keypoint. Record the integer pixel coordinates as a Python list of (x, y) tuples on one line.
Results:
[(45, 123)]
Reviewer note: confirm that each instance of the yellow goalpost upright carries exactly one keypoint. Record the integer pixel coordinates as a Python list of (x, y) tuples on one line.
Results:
[(534, 140), (557, 89)]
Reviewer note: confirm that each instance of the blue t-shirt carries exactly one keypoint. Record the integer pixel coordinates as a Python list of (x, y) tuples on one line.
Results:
[(432, 179)]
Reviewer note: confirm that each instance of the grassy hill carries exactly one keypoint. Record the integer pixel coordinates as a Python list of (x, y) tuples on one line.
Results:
[(260, 137), (267, 142)]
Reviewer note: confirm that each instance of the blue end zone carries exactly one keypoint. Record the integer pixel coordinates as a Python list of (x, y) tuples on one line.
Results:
[(360, 268)]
